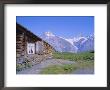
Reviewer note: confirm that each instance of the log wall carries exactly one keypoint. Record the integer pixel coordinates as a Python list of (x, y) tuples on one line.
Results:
[(20, 45), (23, 37)]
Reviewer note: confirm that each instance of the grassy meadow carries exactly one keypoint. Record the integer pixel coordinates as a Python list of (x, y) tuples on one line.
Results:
[(83, 60), (74, 56)]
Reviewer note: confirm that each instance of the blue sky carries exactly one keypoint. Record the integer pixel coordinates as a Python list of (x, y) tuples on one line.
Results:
[(64, 26)]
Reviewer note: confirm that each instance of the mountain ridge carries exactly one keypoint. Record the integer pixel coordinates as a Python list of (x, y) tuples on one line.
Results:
[(74, 45)]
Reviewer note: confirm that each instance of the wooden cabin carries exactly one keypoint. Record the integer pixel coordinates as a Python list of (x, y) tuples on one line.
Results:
[(30, 47)]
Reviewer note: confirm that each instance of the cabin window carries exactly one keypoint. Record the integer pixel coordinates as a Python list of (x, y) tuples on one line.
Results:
[(31, 48)]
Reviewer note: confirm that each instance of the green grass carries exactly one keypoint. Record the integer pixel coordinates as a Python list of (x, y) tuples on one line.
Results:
[(74, 56), (65, 69), (59, 69), (83, 60)]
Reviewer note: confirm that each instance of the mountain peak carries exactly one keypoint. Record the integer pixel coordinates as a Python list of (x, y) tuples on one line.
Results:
[(49, 34)]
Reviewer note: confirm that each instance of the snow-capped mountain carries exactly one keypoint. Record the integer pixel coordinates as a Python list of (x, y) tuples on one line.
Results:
[(49, 34), (74, 45), (58, 43), (85, 43), (70, 41), (88, 44)]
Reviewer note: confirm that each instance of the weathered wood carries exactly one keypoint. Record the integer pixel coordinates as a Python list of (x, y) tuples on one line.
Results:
[(23, 37)]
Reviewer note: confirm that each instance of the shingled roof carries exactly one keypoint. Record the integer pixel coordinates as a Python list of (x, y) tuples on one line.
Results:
[(28, 32)]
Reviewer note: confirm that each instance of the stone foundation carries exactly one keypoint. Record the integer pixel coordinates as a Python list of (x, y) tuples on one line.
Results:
[(30, 60)]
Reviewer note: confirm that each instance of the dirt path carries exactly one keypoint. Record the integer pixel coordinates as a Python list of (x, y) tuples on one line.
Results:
[(84, 71), (36, 69)]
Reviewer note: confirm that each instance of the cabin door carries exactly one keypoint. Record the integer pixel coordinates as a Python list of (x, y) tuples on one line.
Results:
[(31, 48), (39, 47)]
